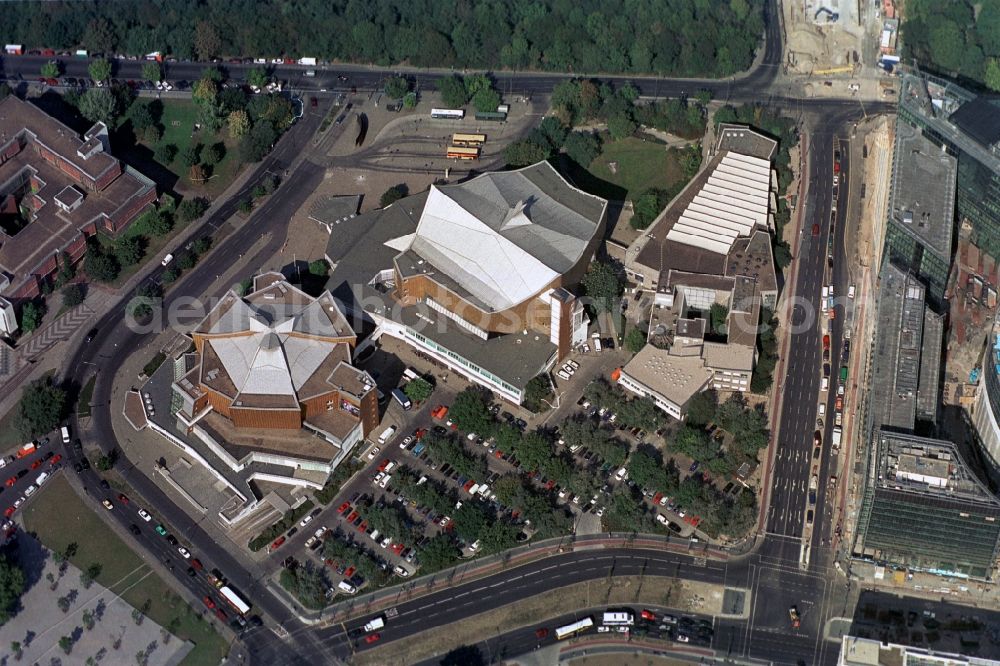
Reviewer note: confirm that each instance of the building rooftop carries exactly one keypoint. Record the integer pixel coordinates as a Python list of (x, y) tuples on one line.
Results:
[(979, 119), (752, 257), (335, 209), (501, 238), (925, 508), (676, 377), (922, 201), (741, 139), (900, 349)]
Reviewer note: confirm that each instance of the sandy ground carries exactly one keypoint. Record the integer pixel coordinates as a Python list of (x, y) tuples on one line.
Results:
[(678, 594)]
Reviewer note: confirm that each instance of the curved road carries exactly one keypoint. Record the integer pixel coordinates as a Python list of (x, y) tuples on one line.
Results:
[(770, 571)]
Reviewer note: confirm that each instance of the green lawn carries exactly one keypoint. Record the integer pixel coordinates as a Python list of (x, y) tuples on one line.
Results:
[(9, 437), (178, 121), (59, 517), (640, 166)]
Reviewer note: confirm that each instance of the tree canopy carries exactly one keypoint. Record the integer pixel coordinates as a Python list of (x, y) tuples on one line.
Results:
[(11, 587), (41, 408), (682, 37), (958, 37), (603, 285)]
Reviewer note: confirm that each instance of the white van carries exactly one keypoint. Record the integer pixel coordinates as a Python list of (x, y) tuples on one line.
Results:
[(346, 587), (474, 489), (167, 259), (825, 386), (597, 343), (29, 491), (65, 434), (850, 291), (387, 434), (41, 478), (826, 292)]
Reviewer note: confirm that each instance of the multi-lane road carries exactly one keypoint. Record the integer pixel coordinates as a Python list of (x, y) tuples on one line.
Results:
[(772, 572)]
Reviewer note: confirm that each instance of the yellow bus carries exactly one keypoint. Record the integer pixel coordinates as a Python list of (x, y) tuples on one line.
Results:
[(462, 153), (468, 140)]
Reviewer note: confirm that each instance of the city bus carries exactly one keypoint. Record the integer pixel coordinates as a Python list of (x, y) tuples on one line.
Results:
[(618, 619), (463, 153), (468, 140), (453, 114), (234, 600), (573, 629)]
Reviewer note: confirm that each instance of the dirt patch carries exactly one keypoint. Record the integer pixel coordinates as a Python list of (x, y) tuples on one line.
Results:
[(670, 592)]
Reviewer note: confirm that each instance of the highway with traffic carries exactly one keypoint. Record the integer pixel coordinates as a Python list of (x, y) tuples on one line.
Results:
[(772, 572)]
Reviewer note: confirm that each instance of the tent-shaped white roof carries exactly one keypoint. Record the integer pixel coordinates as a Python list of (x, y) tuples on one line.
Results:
[(732, 202)]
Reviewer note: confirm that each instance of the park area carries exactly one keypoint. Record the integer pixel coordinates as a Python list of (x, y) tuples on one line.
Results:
[(59, 518)]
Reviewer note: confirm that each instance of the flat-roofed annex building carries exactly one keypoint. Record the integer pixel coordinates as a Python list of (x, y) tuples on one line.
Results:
[(270, 380), (924, 508), (56, 189)]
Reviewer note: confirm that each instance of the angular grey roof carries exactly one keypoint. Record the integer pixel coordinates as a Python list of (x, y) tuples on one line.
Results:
[(503, 237)]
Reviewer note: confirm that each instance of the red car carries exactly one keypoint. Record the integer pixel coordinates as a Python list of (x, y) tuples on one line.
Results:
[(419, 432), (196, 564), (541, 632), (36, 464), (382, 465), (344, 507), (648, 615), (836, 167), (11, 481), (351, 518), (363, 527), (371, 638), (277, 543), (122, 498), (397, 548), (55, 459), (9, 511), (349, 571), (468, 484), (208, 602), (815, 230)]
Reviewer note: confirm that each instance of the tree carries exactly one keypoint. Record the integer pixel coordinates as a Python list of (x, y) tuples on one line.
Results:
[(257, 77), (99, 70), (107, 461), (554, 131), (701, 408), (206, 41), (646, 207), (128, 250), (239, 124), (418, 389), (582, 147), (191, 209), (41, 408), (151, 71), (31, 316), (486, 99), (695, 443), (410, 100), (522, 153), (67, 270), (164, 153), (470, 411), (213, 153), (100, 266), (66, 644), (396, 87), (50, 70), (620, 126), (392, 195), (140, 116), (437, 554), (191, 155), (538, 389), (718, 316), (12, 583), (205, 91), (90, 574), (603, 286), (635, 340), (319, 268), (72, 295), (255, 145), (100, 105), (452, 91)]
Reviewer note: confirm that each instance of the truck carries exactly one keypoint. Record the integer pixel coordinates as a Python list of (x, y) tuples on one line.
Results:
[(311, 62), (793, 615), (837, 433), (843, 374), (81, 53), (13, 49), (375, 624)]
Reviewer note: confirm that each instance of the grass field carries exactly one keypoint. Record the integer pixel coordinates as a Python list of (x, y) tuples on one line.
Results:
[(9, 436), (640, 166), (178, 124), (58, 517)]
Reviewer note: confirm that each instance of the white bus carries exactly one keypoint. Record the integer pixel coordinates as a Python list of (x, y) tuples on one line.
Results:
[(234, 600), (573, 629), (618, 619), (454, 114)]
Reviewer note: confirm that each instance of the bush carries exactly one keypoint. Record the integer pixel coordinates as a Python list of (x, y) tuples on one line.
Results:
[(319, 268), (153, 364), (291, 517), (192, 209), (72, 295), (31, 315), (396, 87), (245, 206), (392, 195)]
